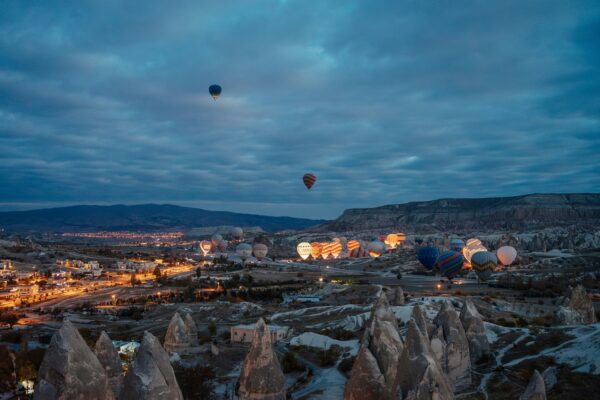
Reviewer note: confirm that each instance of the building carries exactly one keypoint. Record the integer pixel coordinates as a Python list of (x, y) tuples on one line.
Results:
[(27, 290), (136, 266), (245, 333)]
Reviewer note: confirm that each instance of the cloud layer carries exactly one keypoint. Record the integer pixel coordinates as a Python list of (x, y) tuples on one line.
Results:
[(386, 102)]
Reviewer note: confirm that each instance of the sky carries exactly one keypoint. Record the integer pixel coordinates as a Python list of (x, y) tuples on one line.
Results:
[(106, 102)]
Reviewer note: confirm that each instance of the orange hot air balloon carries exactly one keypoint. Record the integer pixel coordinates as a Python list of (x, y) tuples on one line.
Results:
[(392, 240), (309, 180), (315, 251), (336, 249)]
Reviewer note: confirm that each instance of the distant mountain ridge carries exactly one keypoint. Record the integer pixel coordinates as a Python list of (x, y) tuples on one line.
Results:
[(531, 211), (145, 217)]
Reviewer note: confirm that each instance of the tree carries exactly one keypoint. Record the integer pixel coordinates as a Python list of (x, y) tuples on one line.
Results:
[(195, 382), (133, 280), (9, 318), (212, 328)]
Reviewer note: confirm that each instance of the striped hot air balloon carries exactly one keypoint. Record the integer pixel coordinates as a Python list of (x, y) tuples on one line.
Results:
[(457, 245), (326, 249), (309, 180), (315, 251), (353, 245), (450, 263), (484, 263), (428, 256), (336, 249)]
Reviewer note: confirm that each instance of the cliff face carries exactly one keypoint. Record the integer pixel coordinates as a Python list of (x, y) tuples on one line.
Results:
[(519, 212)]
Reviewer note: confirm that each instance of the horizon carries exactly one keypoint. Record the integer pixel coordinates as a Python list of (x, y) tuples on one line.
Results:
[(237, 209), (487, 100)]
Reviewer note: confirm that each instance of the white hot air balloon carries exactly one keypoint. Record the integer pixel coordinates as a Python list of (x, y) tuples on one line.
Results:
[(304, 250), (376, 248), (260, 251), (506, 255), (237, 233), (244, 250), (216, 239), (472, 246), (205, 246)]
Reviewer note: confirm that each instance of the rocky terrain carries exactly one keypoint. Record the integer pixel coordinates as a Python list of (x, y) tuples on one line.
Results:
[(534, 211)]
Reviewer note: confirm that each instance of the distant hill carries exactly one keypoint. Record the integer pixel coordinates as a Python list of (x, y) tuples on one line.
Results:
[(146, 217), (531, 211)]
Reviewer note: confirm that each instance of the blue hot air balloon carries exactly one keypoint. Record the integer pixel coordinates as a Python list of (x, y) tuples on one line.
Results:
[(457, 245), (215, 91), (428, 256), (450, 263)]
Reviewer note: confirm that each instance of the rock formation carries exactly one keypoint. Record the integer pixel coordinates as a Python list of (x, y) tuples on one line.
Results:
[(192, 329), (261, 377), (70, 370), (8, 370), (419, 318), (577, 308), (177, 338), (536, 390), (109, 358), (420, 376), (550, 379), (150, 376), (456, 360), (375, 370), (475, 330), (397, 296), (519, 213)]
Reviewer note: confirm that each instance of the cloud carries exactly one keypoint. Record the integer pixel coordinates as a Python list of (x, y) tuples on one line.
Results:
[(386, 103)]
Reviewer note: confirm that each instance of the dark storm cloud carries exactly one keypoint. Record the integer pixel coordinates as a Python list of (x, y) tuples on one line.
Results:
[(104, 102)]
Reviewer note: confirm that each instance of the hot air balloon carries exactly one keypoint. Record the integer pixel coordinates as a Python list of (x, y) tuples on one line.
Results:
[(506, 255), (237, 233), (216, 239), (205, 246), (315, 250), (376, 248), (428, 256), (484, 263), (457, 245), (473, 246), (304, 250), (449, 263), (260, 251), (309, 180), (215, 91), (336, 249), (244, 250), (326, 249), (222, 246), (392, 240)]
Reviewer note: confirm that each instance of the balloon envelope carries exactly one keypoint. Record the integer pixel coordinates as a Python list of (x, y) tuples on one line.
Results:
[(457, 245), (215, 239), (309, 180), (428, 256), (484, 263), (376, 248), (244, 250), (473, 246), (304, 250), (260, 250), (215, 91), (450, 263), (205, 246), (237, 232), (336, 249), (506, 255), (315, 250)]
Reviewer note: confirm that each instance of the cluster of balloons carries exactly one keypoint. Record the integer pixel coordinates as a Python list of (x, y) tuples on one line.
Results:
[(450, 262), (353, 248)]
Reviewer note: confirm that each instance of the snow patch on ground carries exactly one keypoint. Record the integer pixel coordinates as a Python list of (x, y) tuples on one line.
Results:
[(583, 352), (493, 331), (316, 340), (320, 311)]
